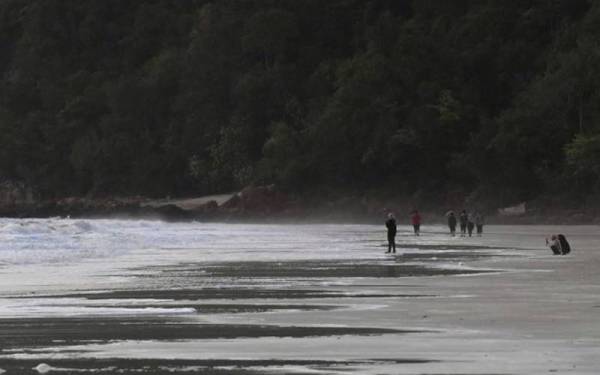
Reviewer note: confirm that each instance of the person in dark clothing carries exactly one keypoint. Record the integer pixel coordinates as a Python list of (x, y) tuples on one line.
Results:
[(463, 222), (564, 244), (470, 224), (554, 244), (451, 222), (479, 223), (558, 244), (415, 220), (391, 233)]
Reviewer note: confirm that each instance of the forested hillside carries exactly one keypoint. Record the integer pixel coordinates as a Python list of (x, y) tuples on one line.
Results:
[(499, 99)]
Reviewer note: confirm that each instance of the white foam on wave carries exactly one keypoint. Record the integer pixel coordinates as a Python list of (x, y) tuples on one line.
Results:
[(55, 240)]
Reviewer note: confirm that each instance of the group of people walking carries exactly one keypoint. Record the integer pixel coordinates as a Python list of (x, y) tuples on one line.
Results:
[(467, 224), (557, 242), (467, 221)]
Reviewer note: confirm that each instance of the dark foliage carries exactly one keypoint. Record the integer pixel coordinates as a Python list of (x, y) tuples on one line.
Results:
[(158, 97)]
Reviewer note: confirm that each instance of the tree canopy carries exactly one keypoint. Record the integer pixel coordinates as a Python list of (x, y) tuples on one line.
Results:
[(163, 97)]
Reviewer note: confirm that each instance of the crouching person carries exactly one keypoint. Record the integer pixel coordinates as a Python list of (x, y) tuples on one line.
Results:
[(558, 244)]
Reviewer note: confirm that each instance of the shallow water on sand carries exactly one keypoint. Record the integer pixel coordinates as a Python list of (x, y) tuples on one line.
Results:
[(107, 296)]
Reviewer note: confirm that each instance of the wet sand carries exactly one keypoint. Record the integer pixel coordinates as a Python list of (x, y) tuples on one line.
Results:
[(208, 367), (44, 332), (31, 337), (371, 316)]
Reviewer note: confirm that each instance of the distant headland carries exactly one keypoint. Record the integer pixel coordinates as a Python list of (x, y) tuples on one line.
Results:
[(269, 204)]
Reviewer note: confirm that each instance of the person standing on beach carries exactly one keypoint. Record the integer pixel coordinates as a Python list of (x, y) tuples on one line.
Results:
[(463, 222), (479, 223), (415, 220), (451, 222), (391, 233)]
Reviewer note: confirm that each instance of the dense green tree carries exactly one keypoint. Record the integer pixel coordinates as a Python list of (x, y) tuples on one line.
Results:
[(157, 97)]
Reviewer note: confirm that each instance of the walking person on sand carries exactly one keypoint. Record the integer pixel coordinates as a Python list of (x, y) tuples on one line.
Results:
[(470, 224), (463, 218), (451, 222), (479, 223), (415, 220), (391, 233)]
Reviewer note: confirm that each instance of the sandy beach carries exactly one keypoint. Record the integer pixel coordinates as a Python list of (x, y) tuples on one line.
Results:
[(308, 299)]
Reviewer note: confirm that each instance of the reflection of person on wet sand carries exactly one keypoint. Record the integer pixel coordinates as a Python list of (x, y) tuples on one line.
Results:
[(391, 233)]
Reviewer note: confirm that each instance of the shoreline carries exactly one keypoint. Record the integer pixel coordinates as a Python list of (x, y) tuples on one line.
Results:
[(173, 213), (267, 205)]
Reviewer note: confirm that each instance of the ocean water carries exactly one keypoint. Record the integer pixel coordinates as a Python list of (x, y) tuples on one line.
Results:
[(525, 310)]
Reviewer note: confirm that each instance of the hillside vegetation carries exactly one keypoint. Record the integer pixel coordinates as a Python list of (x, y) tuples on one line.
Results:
[(496, 99)]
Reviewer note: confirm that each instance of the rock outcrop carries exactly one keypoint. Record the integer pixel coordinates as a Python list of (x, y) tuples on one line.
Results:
[(256, 201)]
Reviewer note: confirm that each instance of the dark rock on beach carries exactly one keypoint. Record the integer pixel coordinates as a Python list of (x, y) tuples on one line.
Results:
[(171, 212), (257, 200), (209, 208)]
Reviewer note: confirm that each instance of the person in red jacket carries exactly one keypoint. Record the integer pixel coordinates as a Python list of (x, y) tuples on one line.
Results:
[(415, 220)]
